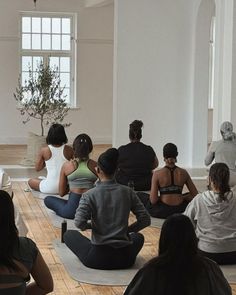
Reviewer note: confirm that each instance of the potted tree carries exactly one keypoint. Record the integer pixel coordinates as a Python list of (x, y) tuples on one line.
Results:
[(41, 97)]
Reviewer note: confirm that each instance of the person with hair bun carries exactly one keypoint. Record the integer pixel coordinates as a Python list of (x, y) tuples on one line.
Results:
[(136, 160), (114, 243), (166, 197), (224, 150), (76, 177), (52, 156), (213, 214)]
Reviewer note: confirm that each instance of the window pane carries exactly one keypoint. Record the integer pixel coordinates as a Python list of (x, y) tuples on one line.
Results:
[(56, 25), (26, 63), (66, 25), (56, 42), (46, 41), (24, 77), (65, 79), (36, 41), (46, 25), (66, 94), (64, 64), (36, 25), (26, 41), (36, 62), (26, 24), (65, 42), (54, 62)]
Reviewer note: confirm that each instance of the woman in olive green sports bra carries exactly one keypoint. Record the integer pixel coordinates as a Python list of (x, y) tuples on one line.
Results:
[(76, 177)]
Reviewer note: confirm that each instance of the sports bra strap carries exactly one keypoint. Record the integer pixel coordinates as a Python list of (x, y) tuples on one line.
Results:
[(171, 169)]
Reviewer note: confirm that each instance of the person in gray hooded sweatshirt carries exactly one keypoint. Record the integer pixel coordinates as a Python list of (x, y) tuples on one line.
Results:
[(213, 214)]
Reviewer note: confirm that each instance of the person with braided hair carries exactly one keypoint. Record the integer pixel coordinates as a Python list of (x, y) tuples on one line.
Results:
[(76, 177), (136, 160), (213, 214)]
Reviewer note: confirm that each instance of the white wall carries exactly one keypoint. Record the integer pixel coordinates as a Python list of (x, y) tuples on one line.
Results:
[(204, 14), (153, 73), (95, 70)]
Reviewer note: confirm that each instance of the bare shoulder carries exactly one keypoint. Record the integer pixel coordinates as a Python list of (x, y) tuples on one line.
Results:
[(68, 152), (183, 172), (92, 163), (45, 152), (69, 166)]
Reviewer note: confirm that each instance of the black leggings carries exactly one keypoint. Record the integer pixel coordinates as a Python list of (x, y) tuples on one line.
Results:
[(221, 258), (103, 256), (160, 209)]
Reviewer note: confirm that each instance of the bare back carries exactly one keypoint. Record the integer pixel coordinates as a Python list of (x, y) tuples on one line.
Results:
[(165, 181)]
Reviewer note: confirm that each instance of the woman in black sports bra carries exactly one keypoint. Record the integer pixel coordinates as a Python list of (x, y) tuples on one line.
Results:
[(166, 197)]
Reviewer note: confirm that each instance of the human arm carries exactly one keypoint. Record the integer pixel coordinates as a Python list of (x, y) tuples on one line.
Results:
[(43, 282), (142, 216), (40, 161), (191, 212), (191, 187), (83, 214), (210, 154), (155, 163), (63, 183), (154, 188)]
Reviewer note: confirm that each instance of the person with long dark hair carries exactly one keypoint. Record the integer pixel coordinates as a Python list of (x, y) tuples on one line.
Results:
[(213, 214), (76, 177), (19, 257), (52, 156), (179, 268), (136, 160), (114, 244), (167, 197)]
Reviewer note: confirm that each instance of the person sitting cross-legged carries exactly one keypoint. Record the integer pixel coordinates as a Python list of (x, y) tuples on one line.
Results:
[(167, 197), (76, 177), (114, 244)]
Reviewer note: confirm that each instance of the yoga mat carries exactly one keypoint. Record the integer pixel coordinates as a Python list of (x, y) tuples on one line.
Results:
[(83, 274), (229, 272), (57, 220), (157, 222)]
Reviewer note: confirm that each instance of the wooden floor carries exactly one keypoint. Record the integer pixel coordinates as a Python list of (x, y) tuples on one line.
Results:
[(43, 233)]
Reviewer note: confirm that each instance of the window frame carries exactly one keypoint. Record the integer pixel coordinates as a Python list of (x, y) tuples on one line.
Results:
[(45, 53)]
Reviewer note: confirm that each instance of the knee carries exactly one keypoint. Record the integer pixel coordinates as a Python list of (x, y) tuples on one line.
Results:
[(48, 201)]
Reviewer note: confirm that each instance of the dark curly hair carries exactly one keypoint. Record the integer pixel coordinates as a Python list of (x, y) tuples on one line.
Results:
[(219, 176), (135, 130)]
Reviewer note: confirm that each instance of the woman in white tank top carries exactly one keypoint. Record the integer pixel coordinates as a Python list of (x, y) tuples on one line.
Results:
[(52, 157)]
